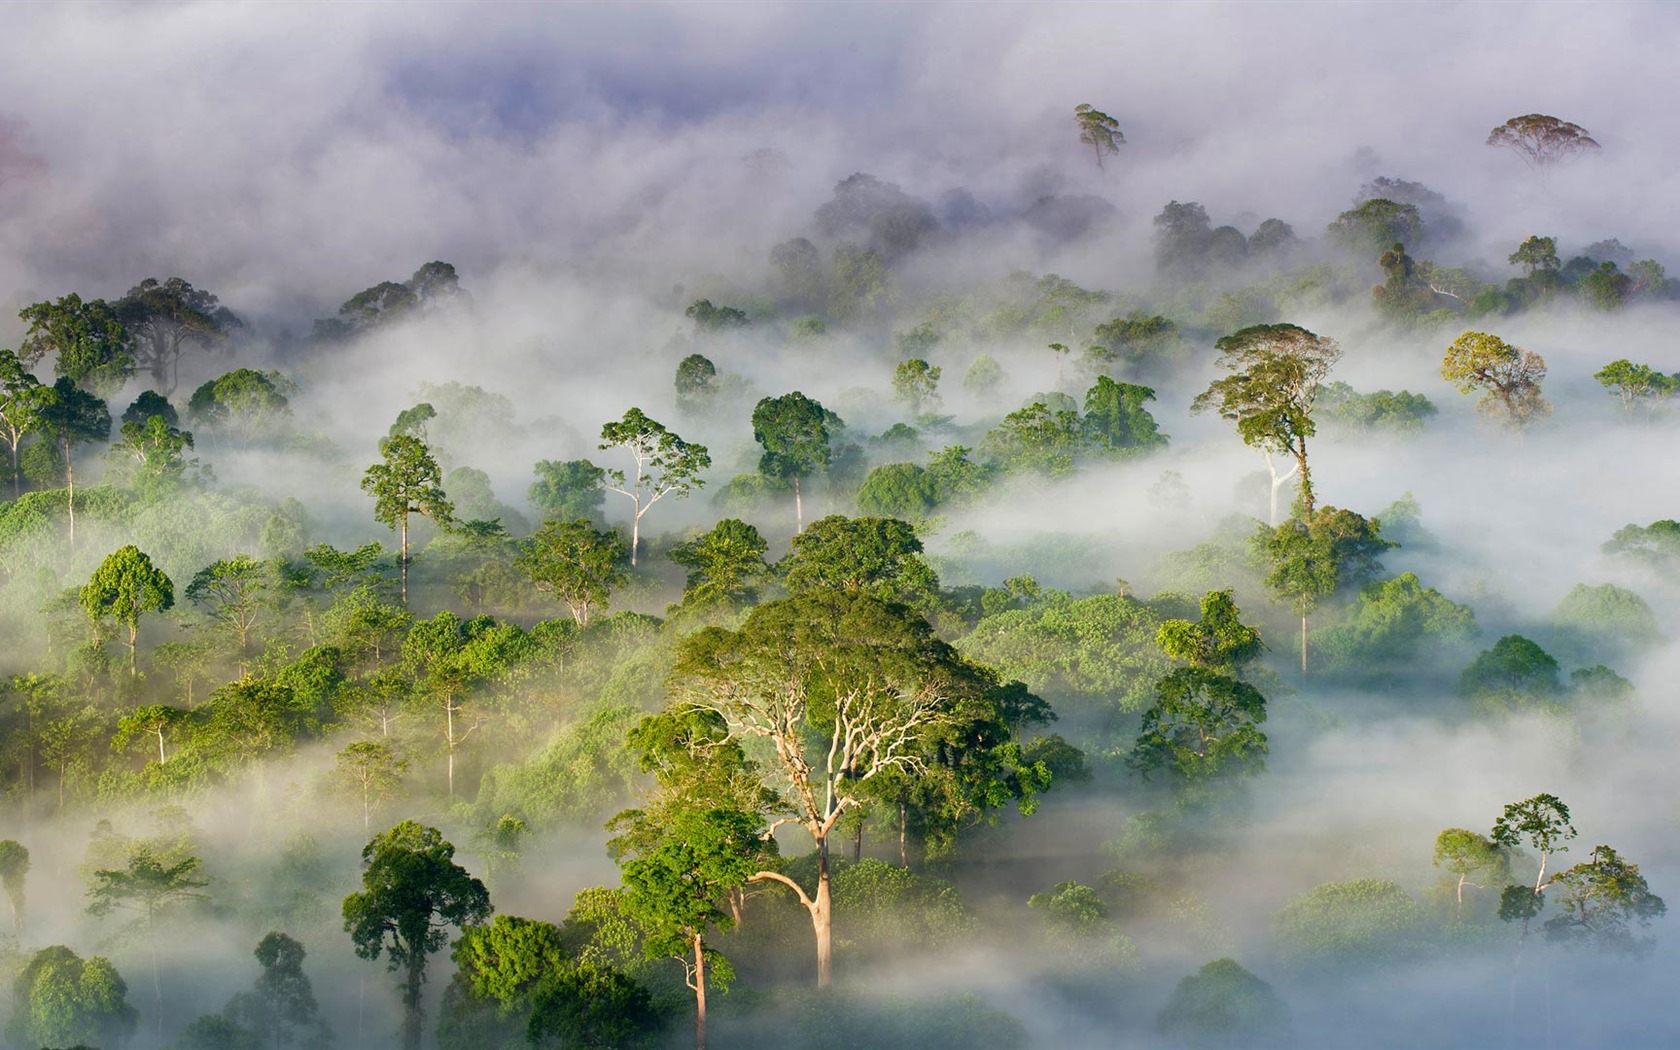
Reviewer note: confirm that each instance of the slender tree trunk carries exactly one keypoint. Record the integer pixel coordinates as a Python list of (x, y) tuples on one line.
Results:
[(798, 507), (157, 987), (133, 637), (449, 711), (1458, 914), (699, 994), (161, 758), (367, 808), (1307, 500), (402, 560), (903, 823), (857, 841), (17, 475), (1303, 645), (70, 486), (411, 1031), (635, 533), (822, 918)]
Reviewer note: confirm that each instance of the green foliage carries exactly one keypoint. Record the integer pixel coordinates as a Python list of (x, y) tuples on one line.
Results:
[(1641, 389), (794, 431), (1219, 641), (244, 403), (1339, 922), (582, 774), (899, 490), (87, 338), (1470, 856), (14, 871), (1508, 377), (1536, 254), (1382, 411), (1098, 130), (1142, 341), (569, 489), (125, 585), (1603, 621), (280, 1008), (1202, 726), (1602, 900), (412, 893), (697, 383), (1398, 626), (725, 566), (1101, 648), (916, 385), (709, 319), (1514, 675), (665, 465), (62, 1000), (1226, 1007), (883, 907), (1656, 544), (163, 318), (1374, 225), (576, 563), (862, 287), (876, 556), (1118, 422), (984, 376)]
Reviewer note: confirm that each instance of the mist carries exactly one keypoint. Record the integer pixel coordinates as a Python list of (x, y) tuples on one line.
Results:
[(592, 173)]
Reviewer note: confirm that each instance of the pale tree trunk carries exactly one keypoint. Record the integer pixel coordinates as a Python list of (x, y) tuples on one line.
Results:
[(1278, 481), (699, 994), (1303, 645), (70, 485), (635, 533), (133, 639), (820, 908), (402, 560), (161, 759), (798, 508)]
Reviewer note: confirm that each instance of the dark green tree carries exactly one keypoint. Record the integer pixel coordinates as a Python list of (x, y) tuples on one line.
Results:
[(1203, 725), (244, 403), (1223, 1005), (72, 416), (1513, 675), (412, 893), (406, 482), (568, 489), (164, 318), (280, 1008), (878, 556), (1118, 422), (1542, 824), (1602, 900), (794, 431), (87, 338), (1375, 225), (697, 383), (1314, 555), (22, 397)]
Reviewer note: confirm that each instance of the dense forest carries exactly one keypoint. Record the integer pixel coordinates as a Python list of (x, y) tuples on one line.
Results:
[(807, 606)]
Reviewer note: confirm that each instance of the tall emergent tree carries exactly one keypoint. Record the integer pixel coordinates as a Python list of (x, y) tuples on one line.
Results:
[(1098, 130), (280, 1008), (846, 688), (794, 432), (1542, 824), (150, 884), (408, 481), (164, 318), (679, 873), (666, 465), (125, 585), (1276, 370), (412, 893), (72, 416), (1507, 376), (22, 397), (87, 338), (1541, 140)]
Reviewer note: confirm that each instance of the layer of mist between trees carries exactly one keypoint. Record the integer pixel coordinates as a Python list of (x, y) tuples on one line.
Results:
[(941, 615)]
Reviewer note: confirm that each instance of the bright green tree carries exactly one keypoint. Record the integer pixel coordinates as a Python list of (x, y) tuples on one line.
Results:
[(1219, 641), (372, 770), (725, 566), (1203, 725), (569, 489), (916, 385), (666, 465), (412, 894), (22, 397), (232, 595), (1098, 130), (1118, 422), (88, 339), (1275, 372), (1314, 555), (62, 1000), (1467, 855), (407, 481), (878, 556), (125, 585), (1640, 388), (577, 563)]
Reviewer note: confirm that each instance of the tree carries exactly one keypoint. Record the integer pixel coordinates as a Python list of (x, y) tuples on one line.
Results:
[(1540, 140), (152, 458), (88, 338), (696, 382), (878, 556), (1514, 674), (280, 1007), (1641, 388), (125, 585), (1118, 422), (1182, 235), (1536, 255), (916, 385), (1314, 555), (244, 402), (14, 870), (577, 563), (569, 489), (678, 872), (22, 398), (164, 318), (794, 431), (1340, 922), (373, 770), (845, 687), (666, 465), (1224, 1005), (1376, 225), (725, 566), (412, 893), (62, 1000), (150, 884), (1467, 854), (1202, 725), (72, 416), (1098, 130), (1542, 824), (407, 482), (1381, 410), (1218, 642), (1602, 900), (232, 594), (1276, 370), (862, 286), (709, 319), (151, 720)]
